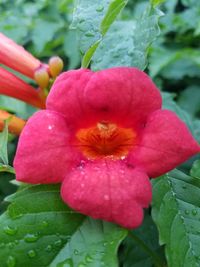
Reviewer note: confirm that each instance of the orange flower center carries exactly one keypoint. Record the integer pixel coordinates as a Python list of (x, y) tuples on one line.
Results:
[(105, 140)]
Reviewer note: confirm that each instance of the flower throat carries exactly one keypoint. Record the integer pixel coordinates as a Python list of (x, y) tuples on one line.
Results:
[(105, 140)]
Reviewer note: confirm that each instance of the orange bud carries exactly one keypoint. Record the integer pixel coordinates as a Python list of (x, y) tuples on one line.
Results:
[(41, 76), (55, 66), (15, 124)]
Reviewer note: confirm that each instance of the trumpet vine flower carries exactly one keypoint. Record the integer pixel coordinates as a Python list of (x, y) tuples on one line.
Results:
[(102, 136)]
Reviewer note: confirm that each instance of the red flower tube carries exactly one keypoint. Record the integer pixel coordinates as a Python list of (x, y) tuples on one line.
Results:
[(102, 136), (16, 57), (13, 86)]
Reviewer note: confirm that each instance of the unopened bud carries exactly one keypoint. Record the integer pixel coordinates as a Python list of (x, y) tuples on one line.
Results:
[(55, 66), (41, 76), (15, 124)]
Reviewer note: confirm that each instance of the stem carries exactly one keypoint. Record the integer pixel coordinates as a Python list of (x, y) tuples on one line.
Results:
[(156, 259)]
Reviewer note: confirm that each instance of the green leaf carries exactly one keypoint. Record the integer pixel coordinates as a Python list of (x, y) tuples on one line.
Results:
[(127, 42), (92, 19), (190, 99), (38, 229), (176, 212), (114, 9), (71, 49), (16, 106), (156, 2), (135, 254), (6, 168), (4, 143), (174, 64), (195, 170), (94, 244), (44, 32)]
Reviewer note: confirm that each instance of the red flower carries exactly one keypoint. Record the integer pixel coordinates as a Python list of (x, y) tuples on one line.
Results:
[(13, 86), (102, 135)]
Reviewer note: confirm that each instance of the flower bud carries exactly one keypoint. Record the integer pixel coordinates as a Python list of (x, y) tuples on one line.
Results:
[(41, 76), (15, 124), (55, 66)]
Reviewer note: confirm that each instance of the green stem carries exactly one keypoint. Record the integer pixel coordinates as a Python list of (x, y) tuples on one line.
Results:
[(156, 259)]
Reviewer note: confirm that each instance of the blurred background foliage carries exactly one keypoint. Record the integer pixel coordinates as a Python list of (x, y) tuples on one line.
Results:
[(43, 28)]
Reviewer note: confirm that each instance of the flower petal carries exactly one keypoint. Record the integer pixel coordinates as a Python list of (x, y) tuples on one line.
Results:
[(122, 95), (66, 95), (43, 153), (108, 190), (165, 143)]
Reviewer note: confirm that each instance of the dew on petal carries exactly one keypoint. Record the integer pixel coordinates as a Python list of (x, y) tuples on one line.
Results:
[(50, 127), (106, 197)]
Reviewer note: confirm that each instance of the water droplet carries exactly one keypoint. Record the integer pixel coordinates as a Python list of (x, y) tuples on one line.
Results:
[(130, 53), (98, 60), (100, 8), (65, 263), (50, 127), (112, 242), (88, 259), (105, 244), (31, 238), (76, 252), (187, 212), (31, 253), (58, 243), (81, 20), (81, 264), (48, 248), (89, 34), (106, 197), (116, 56), (11, 261), (194, 212), (10, 230)]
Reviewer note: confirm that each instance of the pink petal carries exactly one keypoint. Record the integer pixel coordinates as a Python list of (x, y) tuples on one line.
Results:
[(108, 190), (122, 95), (66, 95), (43, 153), (165, 143)]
